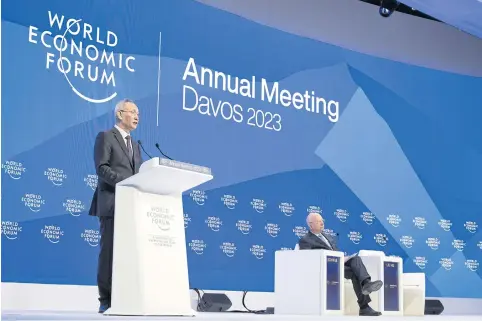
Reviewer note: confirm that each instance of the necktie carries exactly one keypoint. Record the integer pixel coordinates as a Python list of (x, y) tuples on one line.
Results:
[(129, 147), (324, 239)]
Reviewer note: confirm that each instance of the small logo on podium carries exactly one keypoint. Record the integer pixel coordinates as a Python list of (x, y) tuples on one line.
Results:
[(161, 217)]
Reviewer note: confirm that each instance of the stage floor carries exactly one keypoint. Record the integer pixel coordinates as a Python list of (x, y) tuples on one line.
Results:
[(61, 315)]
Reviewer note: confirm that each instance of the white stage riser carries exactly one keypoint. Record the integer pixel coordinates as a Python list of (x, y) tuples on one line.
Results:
[(48, 297)]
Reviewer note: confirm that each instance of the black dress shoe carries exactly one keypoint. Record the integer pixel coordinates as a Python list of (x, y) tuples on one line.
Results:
[(370, 287), (368, 311), (103, 307)]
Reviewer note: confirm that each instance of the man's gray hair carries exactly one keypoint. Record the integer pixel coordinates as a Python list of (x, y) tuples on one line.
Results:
[(120, 105)]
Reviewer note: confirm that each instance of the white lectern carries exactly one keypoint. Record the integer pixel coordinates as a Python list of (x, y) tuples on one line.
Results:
[(149, 270), (309, 282)]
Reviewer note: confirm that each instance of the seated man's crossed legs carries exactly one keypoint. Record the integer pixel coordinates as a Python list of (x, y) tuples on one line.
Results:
[(362, 284)]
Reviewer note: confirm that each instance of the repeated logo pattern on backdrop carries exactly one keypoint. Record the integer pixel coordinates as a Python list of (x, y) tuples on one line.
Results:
[(388, 153)]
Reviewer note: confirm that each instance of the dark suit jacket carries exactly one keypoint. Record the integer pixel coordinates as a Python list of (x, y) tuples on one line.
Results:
[(312, 242), (112, 165)]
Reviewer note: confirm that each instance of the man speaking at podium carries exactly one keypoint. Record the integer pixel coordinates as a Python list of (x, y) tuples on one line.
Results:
[(116, 157), (354, 267)]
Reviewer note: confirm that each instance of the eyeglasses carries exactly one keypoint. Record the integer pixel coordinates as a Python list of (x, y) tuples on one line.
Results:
[(133, 112)]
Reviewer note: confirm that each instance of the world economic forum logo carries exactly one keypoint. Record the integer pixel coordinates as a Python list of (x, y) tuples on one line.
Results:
[(300, 231), (197, 246), (13, 169), (368, 217), (272, 229), (445, 224), (355, 237), (11, 230), (53, 233), (342, 215), (33, 201), (258, 205), (258, 251), (160, 217), (229, 201), (82, 52), (420, 261), (56, 175), (228, 248), (472, 265), (74, 207), (214, 223), (314, 209), (420, 222), (286, 208), (407, 241), (91, 181), (394, 220), (91, 237), (198, 196), (459, 245), (244, 226), (381, 239), (433, 243), (446, 263), (471, 226)]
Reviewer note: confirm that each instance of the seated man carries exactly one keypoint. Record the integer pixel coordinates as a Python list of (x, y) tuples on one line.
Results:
[(354, 267)]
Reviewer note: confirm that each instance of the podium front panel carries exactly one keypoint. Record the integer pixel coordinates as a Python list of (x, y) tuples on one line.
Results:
[(333, 283), (392, 272), (391, 295)]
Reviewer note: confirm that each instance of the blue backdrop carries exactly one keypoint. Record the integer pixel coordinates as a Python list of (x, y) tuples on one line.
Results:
[(389, 153)]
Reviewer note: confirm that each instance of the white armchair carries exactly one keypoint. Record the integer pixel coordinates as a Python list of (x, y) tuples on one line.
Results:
[(303, 280)]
